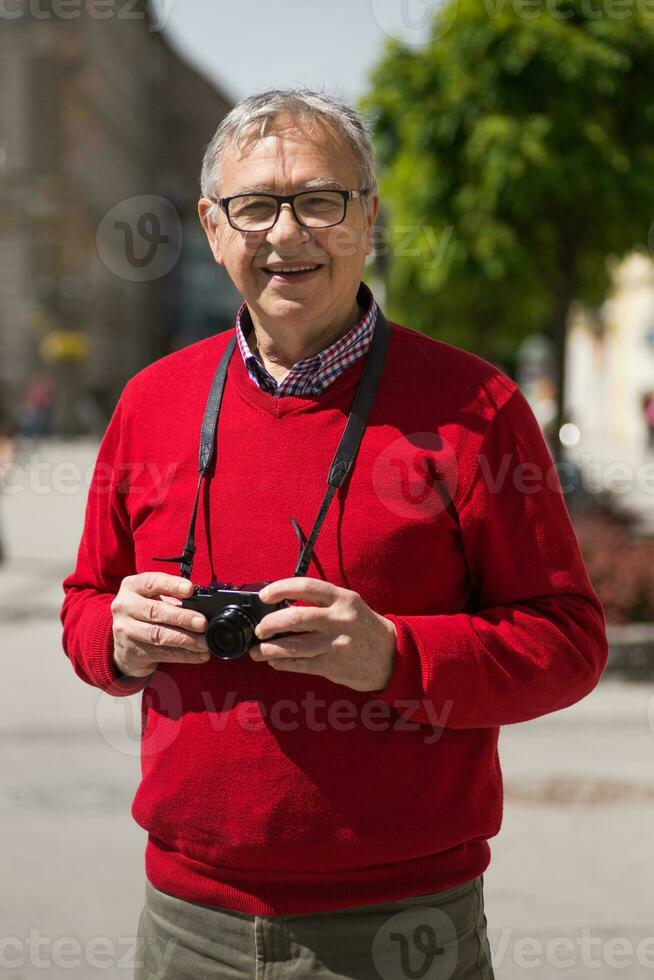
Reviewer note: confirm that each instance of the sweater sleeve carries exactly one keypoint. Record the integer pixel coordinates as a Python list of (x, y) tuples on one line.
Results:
[(534, 640), (105, 556)]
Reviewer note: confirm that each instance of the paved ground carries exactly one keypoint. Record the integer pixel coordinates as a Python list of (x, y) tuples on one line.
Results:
[(570, 891)]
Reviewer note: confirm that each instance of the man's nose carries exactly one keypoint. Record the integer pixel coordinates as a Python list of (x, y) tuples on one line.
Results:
[(287, 228)]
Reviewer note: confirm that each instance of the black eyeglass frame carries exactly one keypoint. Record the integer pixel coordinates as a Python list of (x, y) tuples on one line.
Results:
[(280, 199)]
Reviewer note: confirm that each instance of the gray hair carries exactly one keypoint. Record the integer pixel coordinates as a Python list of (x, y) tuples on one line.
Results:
[(301, 103)]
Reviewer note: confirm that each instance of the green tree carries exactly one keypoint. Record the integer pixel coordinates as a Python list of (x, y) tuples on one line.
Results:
[(522, 134)]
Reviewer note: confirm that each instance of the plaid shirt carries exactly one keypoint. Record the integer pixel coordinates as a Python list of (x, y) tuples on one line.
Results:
[(311, 375)]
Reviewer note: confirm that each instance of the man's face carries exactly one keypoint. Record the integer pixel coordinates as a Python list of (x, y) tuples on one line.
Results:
[(283, 162)]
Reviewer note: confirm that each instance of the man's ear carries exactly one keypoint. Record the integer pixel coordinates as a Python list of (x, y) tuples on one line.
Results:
[(372, 210), (211, 228)]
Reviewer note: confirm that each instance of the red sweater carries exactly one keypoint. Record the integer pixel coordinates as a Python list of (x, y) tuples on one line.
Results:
[(272, 792)]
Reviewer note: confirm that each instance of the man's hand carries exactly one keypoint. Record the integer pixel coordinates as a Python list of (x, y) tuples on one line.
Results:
[(338, 637), (148, 631)]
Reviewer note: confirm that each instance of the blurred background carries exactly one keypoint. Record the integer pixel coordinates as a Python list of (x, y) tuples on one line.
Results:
[(515, 142)]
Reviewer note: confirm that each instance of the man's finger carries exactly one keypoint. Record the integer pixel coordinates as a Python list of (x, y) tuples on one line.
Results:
[(313, 590), (158, 635), (155, 611), (311, 645), (296, 619), (174, 655), (160, 583), (299, 665)]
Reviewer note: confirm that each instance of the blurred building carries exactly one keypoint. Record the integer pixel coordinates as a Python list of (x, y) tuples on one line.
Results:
[(610, 371), (611, 360), (103, 263)]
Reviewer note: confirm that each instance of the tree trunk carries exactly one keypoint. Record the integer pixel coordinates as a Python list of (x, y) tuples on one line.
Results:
[(485, 333), (563, 298)]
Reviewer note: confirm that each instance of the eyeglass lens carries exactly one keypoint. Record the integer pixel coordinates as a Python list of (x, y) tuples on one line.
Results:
[(316, 209)]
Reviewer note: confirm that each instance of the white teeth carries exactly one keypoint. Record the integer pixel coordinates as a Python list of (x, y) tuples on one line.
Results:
[(295, 268)]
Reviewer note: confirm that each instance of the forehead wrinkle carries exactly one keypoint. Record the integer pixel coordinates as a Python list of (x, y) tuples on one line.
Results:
[(276, 142)]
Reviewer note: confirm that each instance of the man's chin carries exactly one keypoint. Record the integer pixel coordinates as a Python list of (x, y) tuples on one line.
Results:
[(289, 308)]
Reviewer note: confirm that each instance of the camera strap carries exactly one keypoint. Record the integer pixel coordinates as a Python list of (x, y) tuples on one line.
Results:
[(341, 463)]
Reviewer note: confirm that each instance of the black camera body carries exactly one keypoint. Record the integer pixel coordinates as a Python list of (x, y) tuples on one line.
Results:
[(233, 613)]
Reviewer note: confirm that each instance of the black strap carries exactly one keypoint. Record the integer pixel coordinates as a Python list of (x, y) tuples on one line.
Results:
[(210, 420), (207, 445), (343, 458), (351, 438)]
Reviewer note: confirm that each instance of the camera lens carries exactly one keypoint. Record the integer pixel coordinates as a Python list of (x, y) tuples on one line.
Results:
[(230, 633)]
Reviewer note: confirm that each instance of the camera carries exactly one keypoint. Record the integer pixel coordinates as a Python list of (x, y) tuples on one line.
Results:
[(233, 613)]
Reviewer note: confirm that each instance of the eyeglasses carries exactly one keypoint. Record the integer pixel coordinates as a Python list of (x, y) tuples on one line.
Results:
[(311, 209)]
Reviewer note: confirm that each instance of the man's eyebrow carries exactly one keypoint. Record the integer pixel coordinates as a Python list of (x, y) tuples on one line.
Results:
[(316, 183), (322, 183)]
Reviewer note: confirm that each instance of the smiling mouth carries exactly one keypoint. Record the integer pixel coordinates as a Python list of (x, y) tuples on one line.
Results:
[(291, 271)]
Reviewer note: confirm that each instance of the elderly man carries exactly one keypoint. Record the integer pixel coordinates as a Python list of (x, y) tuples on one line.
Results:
[(319, 799)]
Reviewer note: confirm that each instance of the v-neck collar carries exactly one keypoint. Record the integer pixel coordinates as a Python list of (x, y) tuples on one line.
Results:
[(281, 405), (310, 374)]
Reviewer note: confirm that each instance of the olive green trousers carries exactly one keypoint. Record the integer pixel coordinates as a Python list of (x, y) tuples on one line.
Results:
[(439, 936)]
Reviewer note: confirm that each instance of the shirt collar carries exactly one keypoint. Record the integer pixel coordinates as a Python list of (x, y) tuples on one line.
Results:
[(323, 358)]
